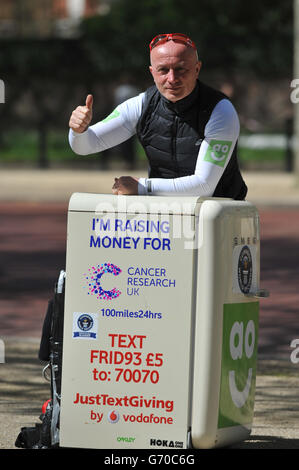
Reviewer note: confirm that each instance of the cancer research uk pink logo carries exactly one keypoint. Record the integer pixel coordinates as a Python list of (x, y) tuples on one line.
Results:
[(94, 279)]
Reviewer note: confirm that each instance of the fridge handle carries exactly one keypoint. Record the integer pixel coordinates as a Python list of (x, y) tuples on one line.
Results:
[(261, 293)]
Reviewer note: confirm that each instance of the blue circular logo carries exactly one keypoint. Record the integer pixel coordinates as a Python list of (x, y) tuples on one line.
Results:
[(245, 270), (85, 322)]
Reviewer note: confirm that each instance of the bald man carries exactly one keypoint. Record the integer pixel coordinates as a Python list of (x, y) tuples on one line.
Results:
[(189, 131)]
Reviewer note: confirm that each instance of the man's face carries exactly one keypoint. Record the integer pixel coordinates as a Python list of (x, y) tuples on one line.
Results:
[(175, 68)]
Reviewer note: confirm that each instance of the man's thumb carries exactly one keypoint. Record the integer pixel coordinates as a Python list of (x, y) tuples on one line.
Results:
[(89, 102)]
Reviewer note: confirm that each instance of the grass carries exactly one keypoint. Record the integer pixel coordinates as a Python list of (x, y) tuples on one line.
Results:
[(19, 146), (265, 155), (24, 146)]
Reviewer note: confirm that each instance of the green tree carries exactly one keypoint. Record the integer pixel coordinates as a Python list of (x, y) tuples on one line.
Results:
[(255, 35), (37, 75)]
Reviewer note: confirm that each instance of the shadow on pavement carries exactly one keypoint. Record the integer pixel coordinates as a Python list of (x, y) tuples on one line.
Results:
[(32, 252), (268, 442), (23, 389)]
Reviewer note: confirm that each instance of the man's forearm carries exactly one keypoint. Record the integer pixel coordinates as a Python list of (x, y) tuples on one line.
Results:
[(85, 143)]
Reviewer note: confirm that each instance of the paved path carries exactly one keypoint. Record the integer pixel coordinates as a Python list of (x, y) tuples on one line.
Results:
[(265, 188), (33, 210)]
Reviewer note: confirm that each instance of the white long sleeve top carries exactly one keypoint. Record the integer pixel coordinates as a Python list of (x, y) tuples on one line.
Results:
[(220, 136)]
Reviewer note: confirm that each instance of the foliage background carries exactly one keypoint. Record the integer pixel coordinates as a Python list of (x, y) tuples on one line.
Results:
[(245, 46)]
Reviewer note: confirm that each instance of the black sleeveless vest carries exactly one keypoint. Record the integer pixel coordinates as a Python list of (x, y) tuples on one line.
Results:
[(171, 134)]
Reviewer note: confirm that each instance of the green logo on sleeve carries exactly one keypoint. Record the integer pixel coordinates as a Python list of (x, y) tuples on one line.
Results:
[(217, 152), (113, 115)]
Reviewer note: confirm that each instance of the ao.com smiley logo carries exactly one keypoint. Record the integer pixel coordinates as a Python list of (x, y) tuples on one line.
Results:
[(238, 370), (94, 281), (237, 338), (217, 152)]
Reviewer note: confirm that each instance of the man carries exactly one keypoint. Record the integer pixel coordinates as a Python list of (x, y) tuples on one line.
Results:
[(189, 131)]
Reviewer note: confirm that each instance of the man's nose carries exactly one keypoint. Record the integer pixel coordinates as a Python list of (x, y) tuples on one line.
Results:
[(172, 76)]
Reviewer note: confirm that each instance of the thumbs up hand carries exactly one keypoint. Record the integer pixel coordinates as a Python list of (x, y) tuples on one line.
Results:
[(82, 116)]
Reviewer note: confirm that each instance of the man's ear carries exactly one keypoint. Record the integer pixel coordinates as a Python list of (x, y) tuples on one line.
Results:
[(198, 66), (151, 69)]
